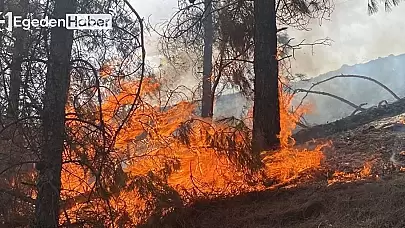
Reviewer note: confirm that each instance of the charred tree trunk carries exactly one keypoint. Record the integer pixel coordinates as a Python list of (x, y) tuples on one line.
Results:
[(56, 89), (19, 52), (266, 110), (207, 105)]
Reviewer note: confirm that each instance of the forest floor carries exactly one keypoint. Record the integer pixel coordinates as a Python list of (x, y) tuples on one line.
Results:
[(362, 185)]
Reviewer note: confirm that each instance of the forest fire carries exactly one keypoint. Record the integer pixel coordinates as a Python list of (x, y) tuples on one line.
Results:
[(178, 160), (107, 127)]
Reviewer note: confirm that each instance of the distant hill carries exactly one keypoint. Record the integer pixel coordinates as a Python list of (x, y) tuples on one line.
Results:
[(388, 70)]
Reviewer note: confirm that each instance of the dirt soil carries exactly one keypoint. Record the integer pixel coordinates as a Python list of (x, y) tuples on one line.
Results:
[(362, 185)]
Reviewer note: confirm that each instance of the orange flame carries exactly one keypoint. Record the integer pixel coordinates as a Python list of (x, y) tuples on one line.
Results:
[(194, 167)]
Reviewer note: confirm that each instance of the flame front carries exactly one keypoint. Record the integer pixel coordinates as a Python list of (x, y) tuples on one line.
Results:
[(164, 159)]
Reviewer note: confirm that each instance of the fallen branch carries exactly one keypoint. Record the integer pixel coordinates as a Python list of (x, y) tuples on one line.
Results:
[(347, 76), (361, 77), (357, 107), (357, 110)]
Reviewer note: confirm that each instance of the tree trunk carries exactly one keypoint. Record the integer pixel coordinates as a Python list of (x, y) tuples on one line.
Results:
[(56, 89), (19, 52), (266, 110), (2, 8), (207, 106)]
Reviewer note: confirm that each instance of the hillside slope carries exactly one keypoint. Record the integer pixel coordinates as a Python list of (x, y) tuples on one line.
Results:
[(361, 185), (351, 205), (388, 70)]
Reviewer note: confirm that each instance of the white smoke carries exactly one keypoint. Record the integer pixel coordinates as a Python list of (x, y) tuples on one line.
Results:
[(357, 38)]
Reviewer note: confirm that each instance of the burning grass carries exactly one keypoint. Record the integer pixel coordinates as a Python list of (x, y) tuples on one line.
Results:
[(346, 177), (128, 171), (290, 163), (163, 160)]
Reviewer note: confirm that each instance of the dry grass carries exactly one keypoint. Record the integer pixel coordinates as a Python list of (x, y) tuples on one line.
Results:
[(358, 204)]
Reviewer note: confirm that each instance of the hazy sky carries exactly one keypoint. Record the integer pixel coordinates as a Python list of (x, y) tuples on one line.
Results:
[(357, 37)]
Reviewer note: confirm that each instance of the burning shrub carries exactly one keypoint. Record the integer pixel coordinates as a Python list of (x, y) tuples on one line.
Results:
[(133, 164)]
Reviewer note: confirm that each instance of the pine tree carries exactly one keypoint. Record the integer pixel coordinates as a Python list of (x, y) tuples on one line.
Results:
[(266, 111), (56, 89), (373, 5)]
